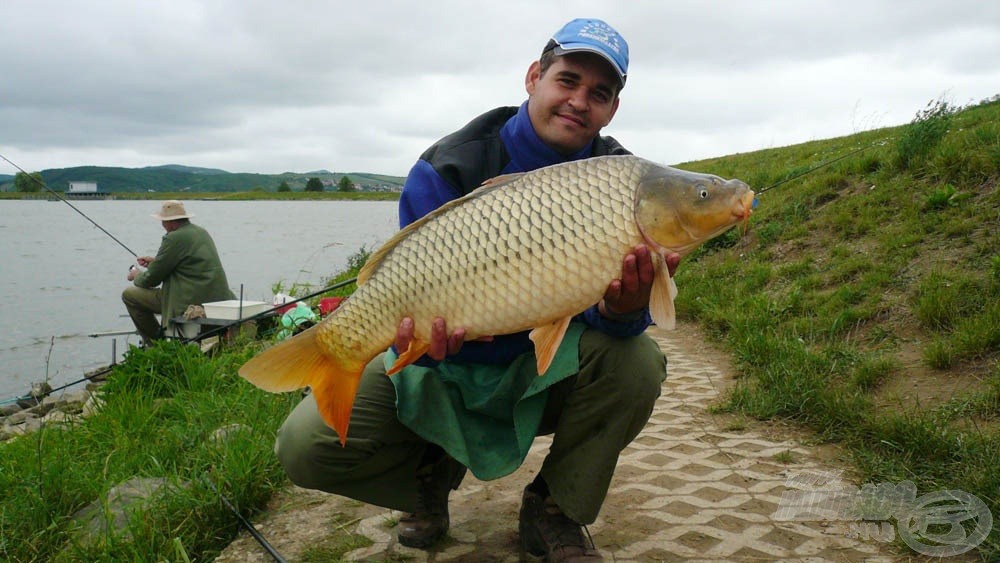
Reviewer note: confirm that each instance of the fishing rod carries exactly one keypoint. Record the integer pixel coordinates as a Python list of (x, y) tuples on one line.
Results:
[(244, 522), (38, 399), (62, 199), (818, 166)]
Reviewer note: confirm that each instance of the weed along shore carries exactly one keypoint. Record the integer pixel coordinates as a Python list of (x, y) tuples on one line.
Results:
[(849, 338)]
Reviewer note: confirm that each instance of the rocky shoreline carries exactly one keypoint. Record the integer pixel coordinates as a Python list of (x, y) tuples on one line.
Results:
[(41, 406)]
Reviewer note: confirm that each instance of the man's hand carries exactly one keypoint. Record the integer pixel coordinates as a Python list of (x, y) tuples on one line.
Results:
[(630, 293), (673, 260), (144, 261), (442, 344)]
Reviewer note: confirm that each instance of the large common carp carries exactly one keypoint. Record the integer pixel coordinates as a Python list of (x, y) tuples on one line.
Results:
[(526, 251)]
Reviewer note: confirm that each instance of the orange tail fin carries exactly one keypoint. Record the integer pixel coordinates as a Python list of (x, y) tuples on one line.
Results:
[(298, 363)]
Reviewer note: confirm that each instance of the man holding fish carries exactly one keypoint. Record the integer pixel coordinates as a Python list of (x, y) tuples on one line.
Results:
[(456, 290)]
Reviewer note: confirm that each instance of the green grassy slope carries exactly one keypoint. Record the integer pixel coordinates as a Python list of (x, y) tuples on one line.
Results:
[(864, 301)]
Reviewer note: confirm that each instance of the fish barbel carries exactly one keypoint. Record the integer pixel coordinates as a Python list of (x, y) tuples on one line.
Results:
[(527, 251)]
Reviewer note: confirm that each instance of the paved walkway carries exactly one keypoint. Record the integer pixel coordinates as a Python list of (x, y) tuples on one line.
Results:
[(692, 487)]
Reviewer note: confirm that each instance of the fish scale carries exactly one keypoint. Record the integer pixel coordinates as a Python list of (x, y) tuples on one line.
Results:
[(527, 251)]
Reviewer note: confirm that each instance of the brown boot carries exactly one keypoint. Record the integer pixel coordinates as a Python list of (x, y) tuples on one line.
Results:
[(546, 531), (429, 522)]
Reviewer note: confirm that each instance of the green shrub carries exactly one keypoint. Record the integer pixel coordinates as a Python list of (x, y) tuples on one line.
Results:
[(924, 133)]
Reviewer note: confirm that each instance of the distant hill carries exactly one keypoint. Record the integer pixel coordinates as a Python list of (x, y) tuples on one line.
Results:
[(182, 168), (177, 178)]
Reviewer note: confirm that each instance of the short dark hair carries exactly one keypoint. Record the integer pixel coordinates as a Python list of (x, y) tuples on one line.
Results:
[(548, 56)]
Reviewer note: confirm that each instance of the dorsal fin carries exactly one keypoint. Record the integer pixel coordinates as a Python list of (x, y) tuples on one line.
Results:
[(501, 179), (376, 258)]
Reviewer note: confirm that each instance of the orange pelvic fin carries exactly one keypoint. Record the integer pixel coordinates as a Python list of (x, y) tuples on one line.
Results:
[(547, 339), (416, 349), (298, 363), (661, 298)]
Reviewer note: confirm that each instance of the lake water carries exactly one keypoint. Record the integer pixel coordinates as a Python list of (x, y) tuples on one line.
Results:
[(61, 277)]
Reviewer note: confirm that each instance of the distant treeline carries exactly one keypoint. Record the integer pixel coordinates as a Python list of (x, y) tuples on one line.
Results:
[(177, 178)]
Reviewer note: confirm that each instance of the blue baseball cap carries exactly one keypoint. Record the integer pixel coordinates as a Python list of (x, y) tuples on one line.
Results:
[(595, 36)]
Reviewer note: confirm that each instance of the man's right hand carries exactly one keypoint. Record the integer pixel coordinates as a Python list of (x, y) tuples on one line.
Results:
[(144, 261)]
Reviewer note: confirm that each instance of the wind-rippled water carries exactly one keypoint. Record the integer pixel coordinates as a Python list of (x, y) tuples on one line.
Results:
[(61, 277)]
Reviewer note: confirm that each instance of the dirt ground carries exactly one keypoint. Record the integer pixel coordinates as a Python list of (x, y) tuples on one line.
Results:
[(694, 486)]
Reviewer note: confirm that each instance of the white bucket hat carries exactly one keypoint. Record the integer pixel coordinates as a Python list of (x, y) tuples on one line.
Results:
[(172, 210)]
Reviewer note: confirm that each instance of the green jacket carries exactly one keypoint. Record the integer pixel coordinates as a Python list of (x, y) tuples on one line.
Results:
[(188, 266)]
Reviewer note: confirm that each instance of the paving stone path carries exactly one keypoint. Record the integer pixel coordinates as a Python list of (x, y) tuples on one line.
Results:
[(692, 487)]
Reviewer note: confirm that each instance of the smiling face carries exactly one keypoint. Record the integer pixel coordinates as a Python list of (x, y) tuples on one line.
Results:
[(572, 100)]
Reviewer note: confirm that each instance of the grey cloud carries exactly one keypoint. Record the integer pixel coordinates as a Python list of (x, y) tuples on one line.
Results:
[(269, 86)]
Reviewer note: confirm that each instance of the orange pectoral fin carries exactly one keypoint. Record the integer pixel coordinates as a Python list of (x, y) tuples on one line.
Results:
[(416, 349), (661, 298), (298, 363), (547, 339)]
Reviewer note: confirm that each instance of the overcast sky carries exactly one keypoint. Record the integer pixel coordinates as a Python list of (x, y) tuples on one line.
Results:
[(365, 86)]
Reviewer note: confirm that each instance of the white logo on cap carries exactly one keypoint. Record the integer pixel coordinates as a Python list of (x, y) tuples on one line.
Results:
[(602, 32)]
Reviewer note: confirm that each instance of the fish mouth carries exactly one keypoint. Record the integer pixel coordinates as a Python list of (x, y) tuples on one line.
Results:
[(744, 208), (744, 205)]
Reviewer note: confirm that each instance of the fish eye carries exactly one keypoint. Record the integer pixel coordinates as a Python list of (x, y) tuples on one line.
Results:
[(703, 193)]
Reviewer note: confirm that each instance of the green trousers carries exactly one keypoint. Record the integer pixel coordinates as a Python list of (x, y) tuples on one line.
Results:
[(592, 416)]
